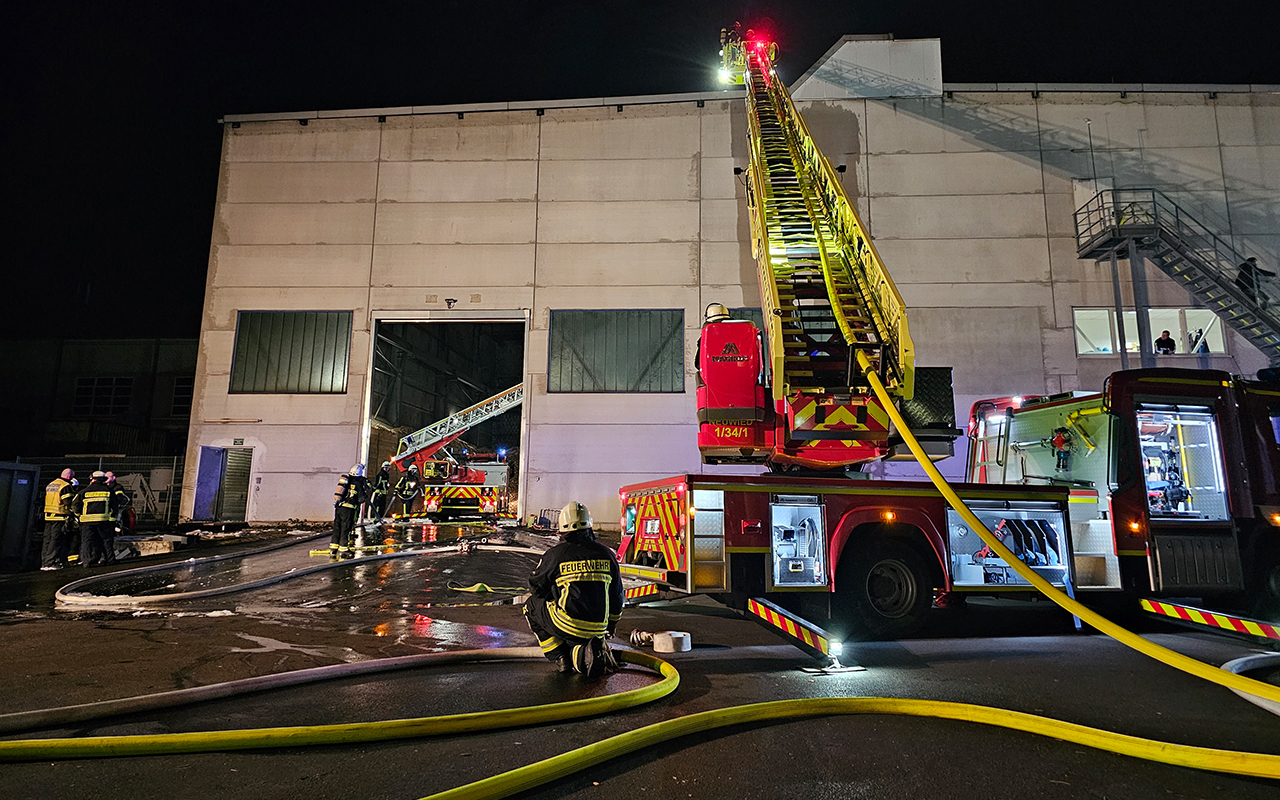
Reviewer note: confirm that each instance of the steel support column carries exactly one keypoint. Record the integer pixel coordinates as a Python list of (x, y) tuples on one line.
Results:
[(1141, 305)]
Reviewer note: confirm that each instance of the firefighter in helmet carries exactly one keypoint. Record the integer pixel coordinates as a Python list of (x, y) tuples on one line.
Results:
[(716, 312), (379, 489), (576, 599), (96, 505), (58, 496), (408, 488), (351, 492)]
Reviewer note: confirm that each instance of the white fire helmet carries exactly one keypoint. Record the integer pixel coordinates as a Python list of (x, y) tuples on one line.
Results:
[(358, 469), (716, 312), (574, 517)]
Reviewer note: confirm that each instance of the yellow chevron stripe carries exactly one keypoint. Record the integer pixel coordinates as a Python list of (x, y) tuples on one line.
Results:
[(1252, 627), (1196, 616), (1221, 621)]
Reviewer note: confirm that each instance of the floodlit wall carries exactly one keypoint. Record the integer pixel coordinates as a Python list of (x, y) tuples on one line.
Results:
[(512, 213), (970, 197)]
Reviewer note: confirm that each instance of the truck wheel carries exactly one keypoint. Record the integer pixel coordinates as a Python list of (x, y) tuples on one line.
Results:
[(883, 590), (1265, 603)]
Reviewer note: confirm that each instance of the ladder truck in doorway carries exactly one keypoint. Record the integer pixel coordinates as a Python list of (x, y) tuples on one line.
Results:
[(450, 488)]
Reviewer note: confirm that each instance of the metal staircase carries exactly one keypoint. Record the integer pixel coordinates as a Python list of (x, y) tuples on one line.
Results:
[(824, 290), (1189, 253), (421, 445)]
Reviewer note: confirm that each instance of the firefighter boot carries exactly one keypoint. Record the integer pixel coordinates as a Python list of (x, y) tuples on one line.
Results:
[(334, 552), (605, 655)]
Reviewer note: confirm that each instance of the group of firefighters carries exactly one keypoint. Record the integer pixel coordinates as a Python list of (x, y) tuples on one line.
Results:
[(575, 598), (95, 511)]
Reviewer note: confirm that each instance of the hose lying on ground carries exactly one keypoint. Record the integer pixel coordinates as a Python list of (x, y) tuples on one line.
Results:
[(382, 730)]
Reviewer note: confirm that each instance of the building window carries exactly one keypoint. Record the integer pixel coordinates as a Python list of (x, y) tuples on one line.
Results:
[(103, 396), (291, 352), (616, 351), (1194, 331), (183, 389)]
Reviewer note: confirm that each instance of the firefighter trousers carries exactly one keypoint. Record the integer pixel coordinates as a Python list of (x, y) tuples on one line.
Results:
[(53, 551), (344, 521), (553, 641)]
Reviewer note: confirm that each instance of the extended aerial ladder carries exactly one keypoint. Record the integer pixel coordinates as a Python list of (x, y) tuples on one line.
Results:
[(419, 446), (825, 294)]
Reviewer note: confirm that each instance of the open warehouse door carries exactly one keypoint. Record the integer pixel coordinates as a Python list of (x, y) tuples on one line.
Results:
[(428, 372)]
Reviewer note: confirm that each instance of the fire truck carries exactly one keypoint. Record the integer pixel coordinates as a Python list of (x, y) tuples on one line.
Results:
[(473, 489), (1172, 475), (451, 487), (813, 548), (1163, 484)]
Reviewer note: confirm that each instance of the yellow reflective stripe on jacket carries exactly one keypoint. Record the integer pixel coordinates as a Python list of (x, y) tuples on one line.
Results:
[(582, 629), (96, 506)]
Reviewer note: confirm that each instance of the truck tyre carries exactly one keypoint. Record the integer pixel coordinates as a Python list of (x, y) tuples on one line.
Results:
[(883, 590), (1265, 603)]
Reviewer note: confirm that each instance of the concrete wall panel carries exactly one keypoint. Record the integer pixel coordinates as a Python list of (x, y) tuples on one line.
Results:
[(490, 136), (725, 221), (290, 265), (457, 181), (319, 140), (293, 223), (455, 223), (657, 131), (718, 181), (996, 351), (452, 264), (611, 264), (729, 263), (220, 308), (953, 173), (1249, 120), (987, 261), (620, 179), (477, 296), (313, 182), (652, 221), (1252, 169), (958, 217)]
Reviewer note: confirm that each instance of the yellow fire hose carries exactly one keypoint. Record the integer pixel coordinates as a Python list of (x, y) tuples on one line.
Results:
[(1241, 763), (382, 730)]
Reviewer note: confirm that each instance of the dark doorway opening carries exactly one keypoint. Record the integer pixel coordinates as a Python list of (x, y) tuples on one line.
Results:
[(423, 372)]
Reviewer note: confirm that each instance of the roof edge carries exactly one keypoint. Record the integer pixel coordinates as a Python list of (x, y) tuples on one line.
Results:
[(464, 108)]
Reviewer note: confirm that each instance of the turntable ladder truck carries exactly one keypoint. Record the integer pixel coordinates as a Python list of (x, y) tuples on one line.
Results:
[(818, 554)]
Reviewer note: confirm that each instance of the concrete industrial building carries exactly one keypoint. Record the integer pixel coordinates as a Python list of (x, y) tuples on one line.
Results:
[(515, 212)]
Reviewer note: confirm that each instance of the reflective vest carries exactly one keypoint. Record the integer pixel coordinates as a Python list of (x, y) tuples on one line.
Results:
[(56, 507), (95, 504)]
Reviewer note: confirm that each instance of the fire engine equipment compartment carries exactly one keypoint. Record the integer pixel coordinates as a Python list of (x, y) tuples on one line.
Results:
[(1182, 461), (796, 544), (1036, 537)]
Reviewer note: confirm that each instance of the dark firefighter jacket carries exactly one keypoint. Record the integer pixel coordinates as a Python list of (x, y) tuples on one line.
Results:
[(580, 581), (58, 497), (381, 483), (350, 492), (99, 502), (408, 486)]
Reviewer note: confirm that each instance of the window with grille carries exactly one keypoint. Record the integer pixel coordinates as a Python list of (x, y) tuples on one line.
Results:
[(102, 396), (637, 351), (183, 390), (291, 352)]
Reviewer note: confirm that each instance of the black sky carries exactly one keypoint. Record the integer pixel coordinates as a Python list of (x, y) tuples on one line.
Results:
[(112, 143)]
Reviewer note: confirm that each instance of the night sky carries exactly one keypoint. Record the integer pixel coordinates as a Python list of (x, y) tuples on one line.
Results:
[(112, 142)]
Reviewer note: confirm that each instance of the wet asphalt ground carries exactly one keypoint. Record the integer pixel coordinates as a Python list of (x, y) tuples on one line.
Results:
[(1020, 656)]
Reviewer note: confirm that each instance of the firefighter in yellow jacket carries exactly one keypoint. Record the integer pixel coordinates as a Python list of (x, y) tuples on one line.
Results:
[(58, 496), (351, 492), (576, 599), (97, 505)]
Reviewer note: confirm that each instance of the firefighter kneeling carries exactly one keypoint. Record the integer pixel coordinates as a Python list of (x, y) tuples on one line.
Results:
[(577, 598)]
